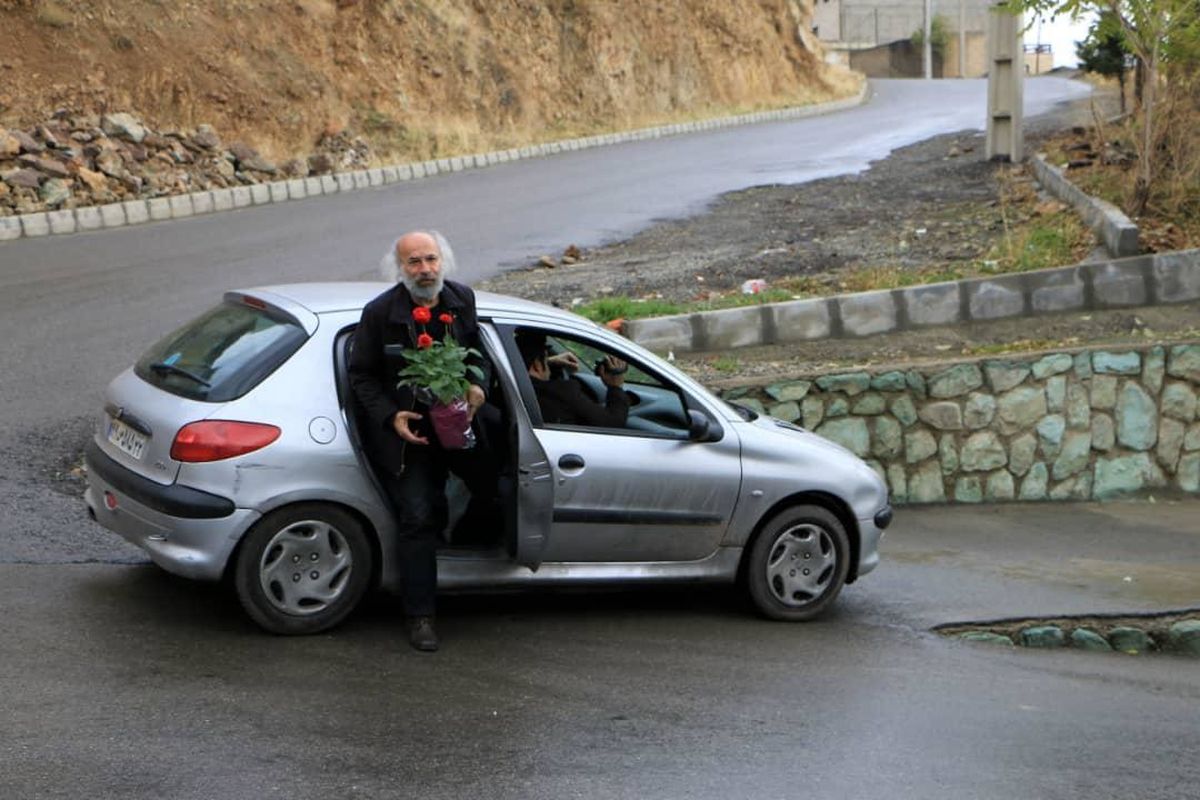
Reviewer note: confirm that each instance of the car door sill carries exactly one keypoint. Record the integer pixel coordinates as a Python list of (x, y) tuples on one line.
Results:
[(457, 572)]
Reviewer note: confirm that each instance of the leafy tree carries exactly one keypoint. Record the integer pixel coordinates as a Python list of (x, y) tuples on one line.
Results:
[(1103, 51), (939, 36), (1148, 27)]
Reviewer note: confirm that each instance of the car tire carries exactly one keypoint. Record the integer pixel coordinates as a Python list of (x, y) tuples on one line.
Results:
[(797, 563), (303, 569)]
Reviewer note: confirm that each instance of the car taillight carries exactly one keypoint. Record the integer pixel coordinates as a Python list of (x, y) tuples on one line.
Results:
[(215, 439)]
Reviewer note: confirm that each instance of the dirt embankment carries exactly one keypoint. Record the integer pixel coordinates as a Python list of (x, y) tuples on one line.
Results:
[(416, 78)]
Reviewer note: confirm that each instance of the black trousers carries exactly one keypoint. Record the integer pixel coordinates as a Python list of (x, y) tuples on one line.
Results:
[(418, 497)]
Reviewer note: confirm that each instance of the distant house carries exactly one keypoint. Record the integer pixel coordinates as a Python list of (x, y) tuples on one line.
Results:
[(874, 36)]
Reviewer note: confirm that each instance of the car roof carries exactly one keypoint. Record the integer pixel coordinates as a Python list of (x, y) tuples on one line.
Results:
[(325, 297)]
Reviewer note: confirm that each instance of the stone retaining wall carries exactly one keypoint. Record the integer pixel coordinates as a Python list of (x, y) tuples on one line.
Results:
[(1080, 425), (1123, 283)]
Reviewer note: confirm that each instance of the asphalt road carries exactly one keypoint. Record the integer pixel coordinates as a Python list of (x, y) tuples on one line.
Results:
[(119, 681)]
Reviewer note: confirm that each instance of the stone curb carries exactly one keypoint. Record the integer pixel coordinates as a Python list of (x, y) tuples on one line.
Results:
[(1116, 230), (1159, 278), (180, 206)]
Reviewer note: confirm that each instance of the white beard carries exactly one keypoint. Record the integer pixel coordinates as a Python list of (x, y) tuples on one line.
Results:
[(422, 293)]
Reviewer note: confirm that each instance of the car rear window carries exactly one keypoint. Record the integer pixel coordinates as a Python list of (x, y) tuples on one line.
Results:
[(223, 354)]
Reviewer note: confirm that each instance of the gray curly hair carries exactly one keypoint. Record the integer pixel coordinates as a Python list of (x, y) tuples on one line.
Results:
[(389, 267)]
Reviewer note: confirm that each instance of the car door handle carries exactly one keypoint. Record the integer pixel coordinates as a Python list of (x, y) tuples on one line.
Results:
[(571, 461)]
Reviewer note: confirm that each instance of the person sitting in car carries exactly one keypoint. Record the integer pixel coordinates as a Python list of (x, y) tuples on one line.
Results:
[(565, 402)]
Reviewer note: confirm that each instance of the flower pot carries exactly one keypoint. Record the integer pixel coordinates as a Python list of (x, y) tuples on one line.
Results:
[(452, 424)]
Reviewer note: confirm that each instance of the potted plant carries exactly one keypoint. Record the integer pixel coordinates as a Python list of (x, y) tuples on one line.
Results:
[(440, 374)]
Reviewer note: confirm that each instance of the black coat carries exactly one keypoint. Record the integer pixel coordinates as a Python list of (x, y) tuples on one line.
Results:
[(387, 328), (564, 402)]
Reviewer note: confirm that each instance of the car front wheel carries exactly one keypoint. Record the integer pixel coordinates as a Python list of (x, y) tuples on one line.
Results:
[(798, 563), (303, 569)]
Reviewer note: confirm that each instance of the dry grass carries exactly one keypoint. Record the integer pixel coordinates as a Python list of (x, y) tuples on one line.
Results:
[(1172, 217)]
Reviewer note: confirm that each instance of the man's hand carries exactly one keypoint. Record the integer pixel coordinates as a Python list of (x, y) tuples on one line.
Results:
[(612, 371), (475, 398), (400, 424), (566, 360)]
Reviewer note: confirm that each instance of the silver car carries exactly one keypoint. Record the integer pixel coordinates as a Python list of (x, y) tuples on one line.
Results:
[(231, 449)]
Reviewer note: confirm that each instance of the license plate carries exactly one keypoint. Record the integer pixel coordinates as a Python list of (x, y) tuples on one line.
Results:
[(126, 439)]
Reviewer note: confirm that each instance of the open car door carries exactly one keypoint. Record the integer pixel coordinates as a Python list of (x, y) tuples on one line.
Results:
[(534, 477)]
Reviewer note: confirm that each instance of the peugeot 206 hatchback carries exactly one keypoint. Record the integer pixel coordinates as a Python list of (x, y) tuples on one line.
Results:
[(231, 449)]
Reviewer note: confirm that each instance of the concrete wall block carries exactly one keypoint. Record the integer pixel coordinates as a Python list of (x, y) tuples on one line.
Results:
[(181, 206), (995, 298), (361, 179), (260, 193), (867, 313), (391, 174), (482, 160), (1056, 289), (801, 320), (1120, 283), (662, 334), (375, 176), (345, 181), (733, 327), (1177, 276), (277, 191), (296, 190), (444, 165), (88, 219), (242, 196), (113, 215), (1116, 230), (37, 224), (160, 208), (938, 304), (456, 164), (10, 228), (136, 211), (313, 187), (418, 170), (202, 202), (222, 199), (61, 221), (404, 172), (432, 168)]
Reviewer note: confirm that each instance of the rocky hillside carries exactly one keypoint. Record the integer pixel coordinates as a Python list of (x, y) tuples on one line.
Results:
[(388, 80)]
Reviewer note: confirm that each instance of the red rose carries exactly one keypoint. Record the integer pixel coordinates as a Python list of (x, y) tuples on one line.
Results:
[(446, 318), (421, 314), (425, 340)]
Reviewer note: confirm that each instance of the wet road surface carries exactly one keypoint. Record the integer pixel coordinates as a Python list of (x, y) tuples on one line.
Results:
[(120, 681)]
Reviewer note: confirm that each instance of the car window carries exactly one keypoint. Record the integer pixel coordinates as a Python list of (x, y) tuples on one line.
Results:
[(222, 354), (655, 406)]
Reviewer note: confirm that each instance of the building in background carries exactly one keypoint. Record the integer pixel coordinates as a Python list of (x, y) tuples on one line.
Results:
[(875, 37)]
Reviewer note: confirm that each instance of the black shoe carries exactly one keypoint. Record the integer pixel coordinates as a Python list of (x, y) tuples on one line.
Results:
[(421, 634)]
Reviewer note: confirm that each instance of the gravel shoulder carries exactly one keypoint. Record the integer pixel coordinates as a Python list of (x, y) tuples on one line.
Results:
[(934, 202)]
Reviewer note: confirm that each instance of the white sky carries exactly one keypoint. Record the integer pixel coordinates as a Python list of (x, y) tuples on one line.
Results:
[(1061, 34)]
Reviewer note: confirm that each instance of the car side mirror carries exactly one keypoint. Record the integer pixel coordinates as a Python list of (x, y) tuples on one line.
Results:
[(699, 426)]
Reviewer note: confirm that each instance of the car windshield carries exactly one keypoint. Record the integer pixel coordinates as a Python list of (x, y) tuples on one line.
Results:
[(223, 354)]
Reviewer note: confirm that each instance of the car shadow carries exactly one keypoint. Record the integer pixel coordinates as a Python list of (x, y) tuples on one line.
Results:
[(146, 606)]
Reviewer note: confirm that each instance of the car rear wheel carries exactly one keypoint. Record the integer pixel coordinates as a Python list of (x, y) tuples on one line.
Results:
[(303, 569), (798, 563)]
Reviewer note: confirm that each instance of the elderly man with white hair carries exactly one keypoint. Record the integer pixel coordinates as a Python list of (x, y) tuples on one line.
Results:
[(424, 306)]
